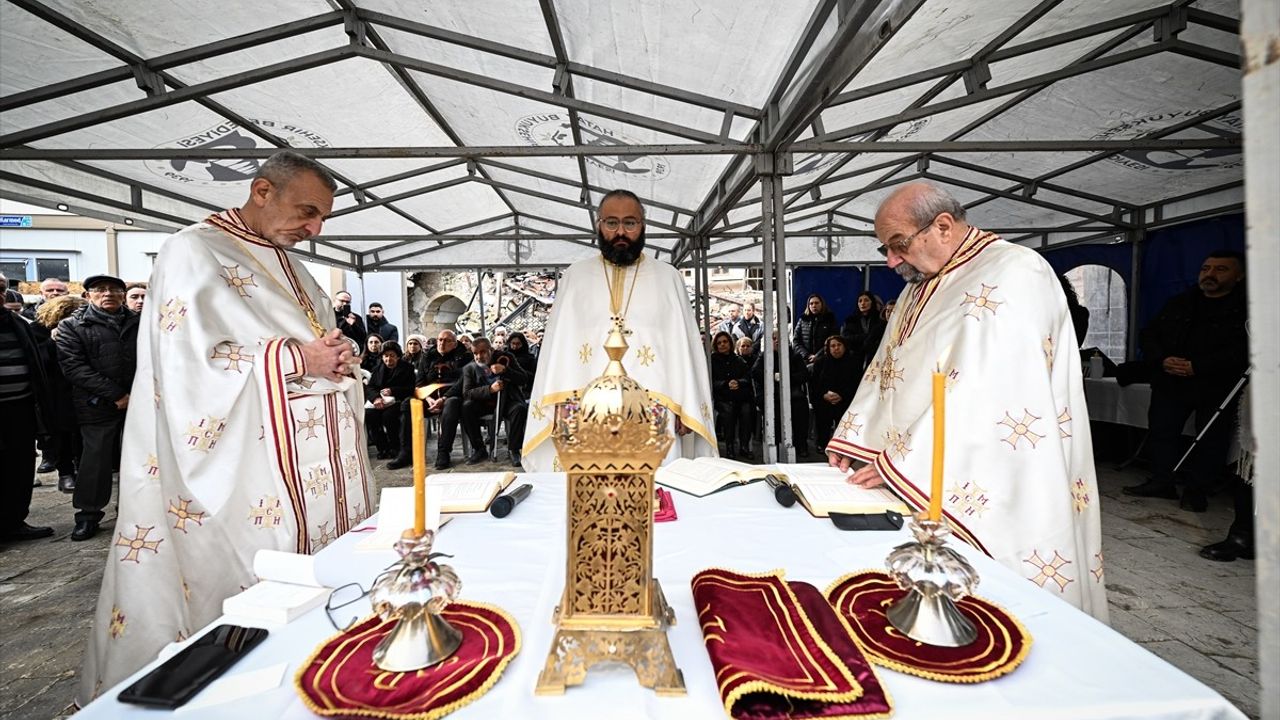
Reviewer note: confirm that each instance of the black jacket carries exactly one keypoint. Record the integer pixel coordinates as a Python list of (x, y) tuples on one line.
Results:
[(399, 379), (60, 412), (445, 369), (811, 332), (863, 335), (527, 360), (384, 329), (839, 376), (36, 368), (798, 375), (726, 367), (477, 381), (1210, 332), (98, 357), (354, 331)]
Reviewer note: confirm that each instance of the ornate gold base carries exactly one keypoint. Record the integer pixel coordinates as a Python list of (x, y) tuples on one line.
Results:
[(574, 651)]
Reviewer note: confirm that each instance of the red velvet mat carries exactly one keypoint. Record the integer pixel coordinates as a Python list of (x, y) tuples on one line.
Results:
[(341, 681), (780, 651), (862, 598)]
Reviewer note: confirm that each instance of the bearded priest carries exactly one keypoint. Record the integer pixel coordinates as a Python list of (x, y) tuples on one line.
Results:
[(245, 430), (665, 356), (1019, 481)]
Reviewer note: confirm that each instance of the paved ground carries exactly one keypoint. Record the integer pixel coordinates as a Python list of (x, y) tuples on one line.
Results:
[(1198, 615)]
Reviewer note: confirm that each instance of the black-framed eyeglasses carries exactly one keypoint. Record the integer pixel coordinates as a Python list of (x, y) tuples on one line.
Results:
[(629, 224), (902, 245), (341, 598)]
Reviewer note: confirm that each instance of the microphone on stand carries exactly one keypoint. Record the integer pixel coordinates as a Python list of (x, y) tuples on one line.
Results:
[(504, 504), (782, 492)]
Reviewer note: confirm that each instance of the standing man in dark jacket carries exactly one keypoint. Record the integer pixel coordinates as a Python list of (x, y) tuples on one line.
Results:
[(348, 321), (376, 322), (1197, 347), (97, 350), (493, 377), (23, 396)]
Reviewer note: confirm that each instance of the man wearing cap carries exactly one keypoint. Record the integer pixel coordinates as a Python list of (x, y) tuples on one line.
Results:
[(246, 430), (97, 350)]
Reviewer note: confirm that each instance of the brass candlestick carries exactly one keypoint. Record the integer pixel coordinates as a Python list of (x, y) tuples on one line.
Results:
[(610, 440), (414, 591), (936, 577)]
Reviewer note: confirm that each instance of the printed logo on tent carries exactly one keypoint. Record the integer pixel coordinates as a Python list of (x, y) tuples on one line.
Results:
[(224, 171), (813, 162), (1228, 126), (555, 129)]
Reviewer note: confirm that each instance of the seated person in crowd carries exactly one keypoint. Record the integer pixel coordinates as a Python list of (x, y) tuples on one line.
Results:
[(518, 349), (415, 352), (799, 403), (372, 356), (812, 329), (444, 378), (733, 398), (494, 383), (863, 330), (389, 386), (835, 377), (746, 348)]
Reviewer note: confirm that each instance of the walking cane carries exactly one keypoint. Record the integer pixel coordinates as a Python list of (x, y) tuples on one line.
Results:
[(497, 418), (1230, 396)]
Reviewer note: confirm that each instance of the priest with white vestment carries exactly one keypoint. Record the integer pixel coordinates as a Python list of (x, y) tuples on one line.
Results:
[(245, 427), (1018, 481), (665, 356)]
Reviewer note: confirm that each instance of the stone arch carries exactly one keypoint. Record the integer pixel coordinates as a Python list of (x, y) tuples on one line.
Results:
[(442, 312)]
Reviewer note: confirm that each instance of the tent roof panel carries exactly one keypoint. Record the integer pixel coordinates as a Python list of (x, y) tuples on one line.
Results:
[(68, 106), (517, 23), (262, 55), (33, 53), (468, 59), (456, 205)]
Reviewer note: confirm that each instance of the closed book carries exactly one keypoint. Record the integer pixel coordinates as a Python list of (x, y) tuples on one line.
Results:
[(287, 587)]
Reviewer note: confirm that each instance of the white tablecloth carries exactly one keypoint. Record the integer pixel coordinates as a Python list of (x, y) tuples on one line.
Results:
[(1077, 668), (1110, 402)]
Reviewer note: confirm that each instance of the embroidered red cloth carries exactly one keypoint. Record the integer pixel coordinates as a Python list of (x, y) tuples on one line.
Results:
[(780, 651), (862, 598), (341, 681), (666, 510)]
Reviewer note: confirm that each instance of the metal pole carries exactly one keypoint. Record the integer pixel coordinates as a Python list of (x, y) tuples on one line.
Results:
[(1137, 246), (770, 450), (706, 294), (480, 296), (784, 326)]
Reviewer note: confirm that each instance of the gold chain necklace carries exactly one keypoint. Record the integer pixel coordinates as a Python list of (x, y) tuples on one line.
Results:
[(310, 312)]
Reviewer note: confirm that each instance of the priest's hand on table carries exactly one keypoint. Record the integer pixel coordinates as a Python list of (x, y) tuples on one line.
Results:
[(866, 477), (328, 357), (838, 461)]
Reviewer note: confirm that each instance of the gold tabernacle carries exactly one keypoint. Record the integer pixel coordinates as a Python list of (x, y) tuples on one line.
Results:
[(610, 440)]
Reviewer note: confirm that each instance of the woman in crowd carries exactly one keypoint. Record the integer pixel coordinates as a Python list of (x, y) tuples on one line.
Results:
[(733, 398), (390, 384), (835, 377), (816, 325), (415, 353), (518, 349), (135, 294), (864, 328), (746, 350), (63, 446), (372, 356)]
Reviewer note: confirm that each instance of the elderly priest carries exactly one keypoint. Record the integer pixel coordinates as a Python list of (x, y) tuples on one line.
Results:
[(1019, 481)]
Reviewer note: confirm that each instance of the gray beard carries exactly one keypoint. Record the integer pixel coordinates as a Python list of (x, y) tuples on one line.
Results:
[(909, 272)]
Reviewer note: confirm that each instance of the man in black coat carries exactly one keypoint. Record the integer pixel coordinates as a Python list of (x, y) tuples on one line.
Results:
[(348, 321), (444, 365), (493, 379), (23, 396), (1198, 348), (97, 350), (376, 322)]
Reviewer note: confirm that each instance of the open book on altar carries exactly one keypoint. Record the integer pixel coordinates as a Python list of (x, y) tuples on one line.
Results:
[(823, 490), (287, 587), (469, 492), (705, 475)]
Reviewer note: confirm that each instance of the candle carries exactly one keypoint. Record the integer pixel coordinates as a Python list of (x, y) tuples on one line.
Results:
[(419, 469), (939, 435)]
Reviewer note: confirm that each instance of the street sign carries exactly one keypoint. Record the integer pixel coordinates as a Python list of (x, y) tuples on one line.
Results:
[(15, 221)]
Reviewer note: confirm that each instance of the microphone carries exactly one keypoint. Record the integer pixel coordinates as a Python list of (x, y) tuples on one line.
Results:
[(782, 492), (504, 504)]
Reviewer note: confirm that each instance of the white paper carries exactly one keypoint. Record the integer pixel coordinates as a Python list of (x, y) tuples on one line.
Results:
[(235, 687), (395, 515), (286, 567)]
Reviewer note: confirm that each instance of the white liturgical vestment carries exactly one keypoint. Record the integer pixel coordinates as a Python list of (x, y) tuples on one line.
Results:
[(1018, 479), (229, 447), (665, 353)]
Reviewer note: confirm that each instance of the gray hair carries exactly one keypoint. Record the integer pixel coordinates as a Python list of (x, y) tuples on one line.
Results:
[(285, 165), (931, 202), (620, 193)]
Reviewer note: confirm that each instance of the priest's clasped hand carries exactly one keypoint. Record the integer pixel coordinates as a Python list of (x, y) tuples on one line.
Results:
[(329, 357)]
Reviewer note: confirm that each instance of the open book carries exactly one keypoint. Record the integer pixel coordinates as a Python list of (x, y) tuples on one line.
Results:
[(469, 492), (287, 587), (705, 475), (823, 490)]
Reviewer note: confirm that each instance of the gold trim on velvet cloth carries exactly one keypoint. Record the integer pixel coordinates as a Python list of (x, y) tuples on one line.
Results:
[(340, 680), (861, 599), (779, 651)]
